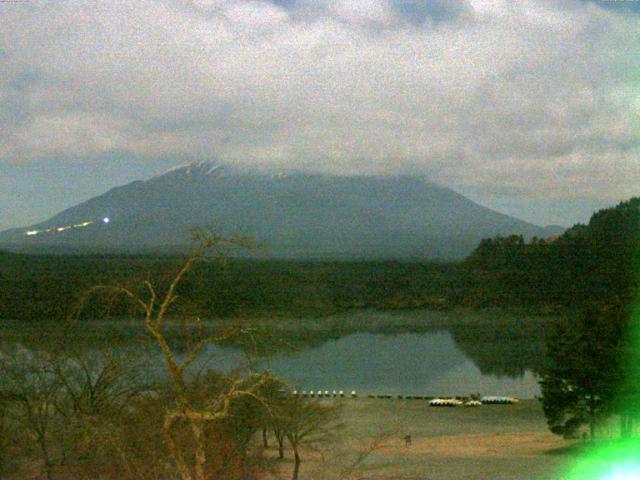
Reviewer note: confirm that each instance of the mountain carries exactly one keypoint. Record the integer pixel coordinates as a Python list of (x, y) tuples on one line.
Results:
[(555, 230), (296, 215)]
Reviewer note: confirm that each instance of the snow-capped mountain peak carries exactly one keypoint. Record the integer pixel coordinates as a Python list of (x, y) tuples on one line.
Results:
[(191, 169)]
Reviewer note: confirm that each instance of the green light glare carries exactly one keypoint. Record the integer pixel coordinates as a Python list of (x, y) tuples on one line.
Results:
[(615, 460), (626, 471)]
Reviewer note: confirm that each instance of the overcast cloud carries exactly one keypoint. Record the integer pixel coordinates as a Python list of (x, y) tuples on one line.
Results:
[(527, 99)]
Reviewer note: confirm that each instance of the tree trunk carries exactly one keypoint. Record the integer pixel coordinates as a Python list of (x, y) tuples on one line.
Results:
[(296, 464), (48, 464), (592, 419), (624, 425), (200, 455), (280, 439), (265, 441), (245, 473), (174, 451)]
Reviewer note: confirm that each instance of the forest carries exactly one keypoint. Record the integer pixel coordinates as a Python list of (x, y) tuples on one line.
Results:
[(41, 288), (594, 262)]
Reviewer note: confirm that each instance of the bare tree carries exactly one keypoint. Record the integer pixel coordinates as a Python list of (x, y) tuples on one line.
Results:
[(306, 422), (275, 395), (155, 307), (100, 381), (103, 390), (61, 403), (33, 390)]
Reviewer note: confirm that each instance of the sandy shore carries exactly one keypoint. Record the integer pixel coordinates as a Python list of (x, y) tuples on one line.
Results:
[(509, 442)]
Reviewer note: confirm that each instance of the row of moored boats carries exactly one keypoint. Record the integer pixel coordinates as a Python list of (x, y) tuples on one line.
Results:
[(489, 400), (434, 402)]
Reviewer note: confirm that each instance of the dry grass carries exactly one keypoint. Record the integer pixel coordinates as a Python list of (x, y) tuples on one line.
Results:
[(479, 445), (489, 442)]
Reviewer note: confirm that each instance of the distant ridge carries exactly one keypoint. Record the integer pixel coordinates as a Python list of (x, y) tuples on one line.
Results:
[(296, 215)]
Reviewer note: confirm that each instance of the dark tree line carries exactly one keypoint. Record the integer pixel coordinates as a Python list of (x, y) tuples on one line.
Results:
[(594, 262), (34, 288)]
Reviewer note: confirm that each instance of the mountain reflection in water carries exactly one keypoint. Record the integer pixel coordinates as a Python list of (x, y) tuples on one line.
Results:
[(407, 363), (433, 361)]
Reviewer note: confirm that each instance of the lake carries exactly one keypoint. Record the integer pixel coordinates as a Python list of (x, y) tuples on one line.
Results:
[(407, 364), (422, 363), (419, 353)]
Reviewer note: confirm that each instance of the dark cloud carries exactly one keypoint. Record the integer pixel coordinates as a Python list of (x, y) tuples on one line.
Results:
[(626, 6), (420, 11)]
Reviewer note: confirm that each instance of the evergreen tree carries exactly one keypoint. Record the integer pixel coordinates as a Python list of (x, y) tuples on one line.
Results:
[(586, 369)]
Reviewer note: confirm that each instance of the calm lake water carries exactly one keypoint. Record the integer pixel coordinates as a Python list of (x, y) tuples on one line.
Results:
[(458, 356), (407, 363)]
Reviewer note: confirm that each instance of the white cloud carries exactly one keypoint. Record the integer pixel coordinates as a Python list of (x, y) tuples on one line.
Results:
[(254, 14), (362, 12), (534, 95)]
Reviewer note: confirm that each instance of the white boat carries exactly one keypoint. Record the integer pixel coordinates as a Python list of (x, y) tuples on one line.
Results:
[(498, 400), (445, 402)]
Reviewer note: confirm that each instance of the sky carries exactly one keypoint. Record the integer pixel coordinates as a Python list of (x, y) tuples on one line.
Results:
[(530, 107)]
